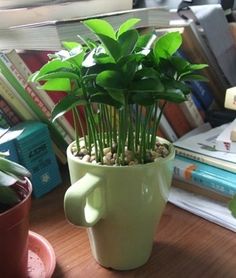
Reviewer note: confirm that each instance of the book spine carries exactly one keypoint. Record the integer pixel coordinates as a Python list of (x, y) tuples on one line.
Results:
[(14, 100), (167, 129), (25, 85), (10, 114), (203, 93), (34, 61), (31, 98), (191, 172), (196, 50), (3, 120), (191, 112), (24, 111), (225, 165), (177, 119), (200, 190), (20, 65)]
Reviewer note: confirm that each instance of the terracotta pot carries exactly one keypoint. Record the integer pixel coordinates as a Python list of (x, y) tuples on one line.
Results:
[(14, 228), (120, 205)]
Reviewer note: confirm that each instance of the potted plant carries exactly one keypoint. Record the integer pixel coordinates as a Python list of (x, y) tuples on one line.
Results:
[(120, 171), (15, 193)]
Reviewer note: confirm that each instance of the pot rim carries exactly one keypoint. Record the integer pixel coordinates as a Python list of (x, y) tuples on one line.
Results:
[(15, 207), (158, 160)]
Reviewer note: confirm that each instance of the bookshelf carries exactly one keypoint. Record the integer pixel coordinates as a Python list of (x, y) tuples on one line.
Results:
[(185, 245)]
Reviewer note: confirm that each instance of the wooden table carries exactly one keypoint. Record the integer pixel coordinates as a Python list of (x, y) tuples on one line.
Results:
[(185, 245)]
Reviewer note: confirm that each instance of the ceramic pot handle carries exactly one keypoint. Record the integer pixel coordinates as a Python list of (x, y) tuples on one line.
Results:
[(84, 202)]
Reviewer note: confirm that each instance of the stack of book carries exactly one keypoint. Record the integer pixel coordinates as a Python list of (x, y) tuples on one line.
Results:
[(203, 170)]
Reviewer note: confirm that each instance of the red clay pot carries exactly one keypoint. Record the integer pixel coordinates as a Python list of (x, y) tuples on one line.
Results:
[(14, 228)]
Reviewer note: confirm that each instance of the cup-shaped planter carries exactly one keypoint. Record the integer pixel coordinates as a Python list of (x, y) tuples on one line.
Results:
[(14, 228), (120, 205)]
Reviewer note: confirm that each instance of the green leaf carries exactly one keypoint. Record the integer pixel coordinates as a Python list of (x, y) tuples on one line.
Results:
[(110, 79), (112, 46), (105, 99), (57, 84), (189, 77), (8, 196), (147, 73), (142, 99), (180, 64), (172, 95), (129, 69), (128, 24), (194, 67), (100, 27), (66, 104), (76, 59), (12, 170), (57, 75), (50, 67), (145, 40), (117, 95), (128, 41), (167, 45), (71, 45), (147, 85), (103, 59), (174, 84)]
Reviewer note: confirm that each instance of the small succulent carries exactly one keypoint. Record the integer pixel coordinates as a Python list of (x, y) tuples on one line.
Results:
[(10, 173)]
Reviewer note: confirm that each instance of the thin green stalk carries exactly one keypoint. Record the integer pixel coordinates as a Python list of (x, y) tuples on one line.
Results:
[(130, 129), (93, 132), (143, 136), (148, 126), (157, 120), (115, 116), (137, 126), (108, 125)]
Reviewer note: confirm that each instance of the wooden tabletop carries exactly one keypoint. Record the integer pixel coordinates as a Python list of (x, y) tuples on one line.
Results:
[(185, 245)]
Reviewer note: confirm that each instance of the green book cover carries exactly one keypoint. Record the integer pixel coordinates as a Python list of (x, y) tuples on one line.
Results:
[(8, 71)]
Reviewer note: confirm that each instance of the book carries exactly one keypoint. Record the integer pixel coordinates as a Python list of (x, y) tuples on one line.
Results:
[(14, 100), (10, 114), (205, 176), (31, 99), (47, 102), (3, 120), (167, 129), (176, 119), (199, 190), (59, 10), (34, 95), (52, 33), (16, 4), (224, 141), (215, 25), (211, 210), (202, 147), (34, 61), (200, 90), (191, 112), (34, 148), (197, 51), (19, 104)]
